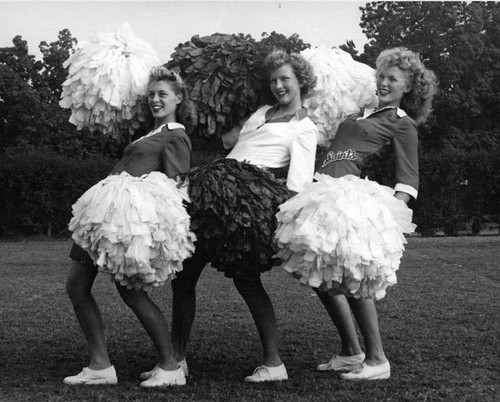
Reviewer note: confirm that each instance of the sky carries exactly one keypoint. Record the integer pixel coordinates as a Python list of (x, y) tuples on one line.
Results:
[(165, 24)]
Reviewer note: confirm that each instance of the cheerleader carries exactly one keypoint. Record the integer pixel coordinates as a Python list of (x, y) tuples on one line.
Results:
[(234, 202), (133, 226), (343, 235)]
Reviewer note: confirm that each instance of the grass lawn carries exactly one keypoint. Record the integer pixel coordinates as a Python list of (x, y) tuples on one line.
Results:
[(440, 325)]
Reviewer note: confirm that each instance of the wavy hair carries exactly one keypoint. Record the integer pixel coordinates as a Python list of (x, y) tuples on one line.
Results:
[(418, 102), (300, 66), (186, 110)]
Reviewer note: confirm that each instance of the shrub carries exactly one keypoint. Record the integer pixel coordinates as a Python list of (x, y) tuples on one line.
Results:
[(39, 189)]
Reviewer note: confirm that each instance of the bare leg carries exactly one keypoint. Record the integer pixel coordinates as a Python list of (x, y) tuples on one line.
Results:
[(262, 311), (79, 286), (339, 310), (365, 312), (154, 323), (184, 303)]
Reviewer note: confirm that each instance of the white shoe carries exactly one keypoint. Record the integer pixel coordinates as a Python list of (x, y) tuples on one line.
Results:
[(93, 377), (148, 374), (184, 366), (366, 372), (342, 363), (163, 378), (264, 373)]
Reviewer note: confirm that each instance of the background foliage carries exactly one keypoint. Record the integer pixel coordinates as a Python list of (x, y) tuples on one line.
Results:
[(39, 189), (460, 144)]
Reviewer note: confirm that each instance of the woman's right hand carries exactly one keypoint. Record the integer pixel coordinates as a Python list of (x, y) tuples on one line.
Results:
[(230, 138)]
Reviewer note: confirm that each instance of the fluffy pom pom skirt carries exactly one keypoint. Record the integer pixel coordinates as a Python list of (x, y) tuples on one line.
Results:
[(344, 233), (134, 228), (233, 214)]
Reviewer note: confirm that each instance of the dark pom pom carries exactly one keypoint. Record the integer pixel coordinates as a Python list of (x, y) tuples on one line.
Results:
[(233, 208)]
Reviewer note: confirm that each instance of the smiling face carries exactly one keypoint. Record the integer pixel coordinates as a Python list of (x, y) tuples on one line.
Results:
[(392, 85), (162, 102), (285, 87)]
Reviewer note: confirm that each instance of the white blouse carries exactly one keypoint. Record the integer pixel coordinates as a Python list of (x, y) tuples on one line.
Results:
[(278, 143)]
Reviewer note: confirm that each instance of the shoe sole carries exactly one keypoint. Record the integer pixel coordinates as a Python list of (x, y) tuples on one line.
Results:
[(274, 379), (93, 382), (349, 368), (145, 376), (164, 385), (381, 377), (377, 377)]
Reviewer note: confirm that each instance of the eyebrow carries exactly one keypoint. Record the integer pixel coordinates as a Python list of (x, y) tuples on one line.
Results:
[(281, 76)]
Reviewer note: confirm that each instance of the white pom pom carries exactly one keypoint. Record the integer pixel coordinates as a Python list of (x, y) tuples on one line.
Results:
[(134, 228), (107, 81), (344, 87), (344, 232)]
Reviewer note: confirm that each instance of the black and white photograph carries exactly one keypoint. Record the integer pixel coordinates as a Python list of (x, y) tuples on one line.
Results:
[(232, 200)]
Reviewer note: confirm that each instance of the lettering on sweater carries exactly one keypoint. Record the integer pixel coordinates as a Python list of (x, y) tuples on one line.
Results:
[(339, 156)]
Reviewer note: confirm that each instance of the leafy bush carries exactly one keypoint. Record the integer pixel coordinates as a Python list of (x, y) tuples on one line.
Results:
[(456, 188), (39, 189)]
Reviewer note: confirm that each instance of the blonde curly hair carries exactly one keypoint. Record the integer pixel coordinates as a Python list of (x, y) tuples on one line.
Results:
[(418, 102)]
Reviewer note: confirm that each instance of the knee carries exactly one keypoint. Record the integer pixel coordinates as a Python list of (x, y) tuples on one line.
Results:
[(72, 288)]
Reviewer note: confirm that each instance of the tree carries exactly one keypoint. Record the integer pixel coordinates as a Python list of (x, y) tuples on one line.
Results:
[(54, 55), (19, 61), (30, 91), (20, 107), (26, 103)]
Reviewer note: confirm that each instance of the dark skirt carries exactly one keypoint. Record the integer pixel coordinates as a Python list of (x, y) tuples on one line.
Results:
[(79, 254), (233, 214)]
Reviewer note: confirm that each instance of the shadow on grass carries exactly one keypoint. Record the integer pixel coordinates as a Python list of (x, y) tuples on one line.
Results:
[(440, 328)]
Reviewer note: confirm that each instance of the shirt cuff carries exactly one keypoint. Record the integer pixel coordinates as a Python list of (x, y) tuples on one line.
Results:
[(293, 187), (405, 188)]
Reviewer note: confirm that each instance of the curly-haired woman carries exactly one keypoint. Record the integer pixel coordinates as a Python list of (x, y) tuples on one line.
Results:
[(126, 226), (234, 201), (343, 235)]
